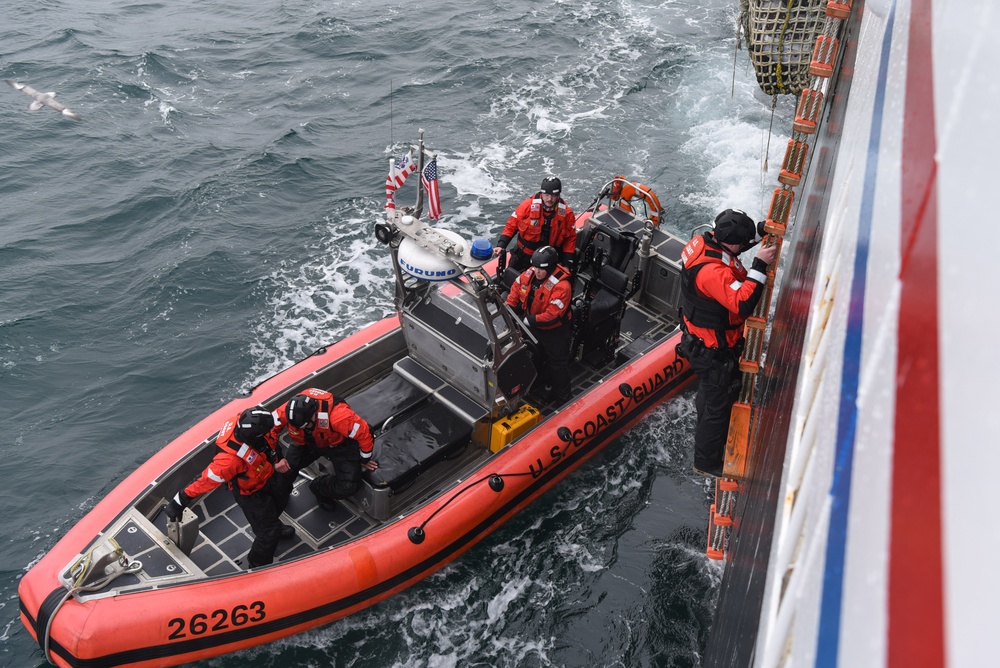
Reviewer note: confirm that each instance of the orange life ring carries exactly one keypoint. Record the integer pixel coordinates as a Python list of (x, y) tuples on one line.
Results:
[(631, 192)]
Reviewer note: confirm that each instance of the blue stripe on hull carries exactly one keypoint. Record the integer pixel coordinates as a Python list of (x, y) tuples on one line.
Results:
[(827, 645)]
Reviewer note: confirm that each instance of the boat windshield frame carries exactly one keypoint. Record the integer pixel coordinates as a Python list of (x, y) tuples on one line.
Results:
[(459, 327)]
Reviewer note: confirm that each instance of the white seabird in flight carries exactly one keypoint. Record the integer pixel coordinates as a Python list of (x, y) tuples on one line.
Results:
[(43, 100)]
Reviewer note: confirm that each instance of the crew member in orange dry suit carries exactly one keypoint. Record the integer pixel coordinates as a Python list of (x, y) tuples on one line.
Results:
[(717, 296), (544, 219), (247, 461), (542, 295), (321, 425)]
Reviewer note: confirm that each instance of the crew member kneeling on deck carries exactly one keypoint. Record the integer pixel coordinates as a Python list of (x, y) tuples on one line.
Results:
[(717, 296), (321, 425), (542, 295), (251, 466), (544, 219)]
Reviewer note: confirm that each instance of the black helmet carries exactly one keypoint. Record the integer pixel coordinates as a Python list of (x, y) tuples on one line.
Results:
[(253, 424), (545, 258), (301, 409), (733, 226), (551, 185)]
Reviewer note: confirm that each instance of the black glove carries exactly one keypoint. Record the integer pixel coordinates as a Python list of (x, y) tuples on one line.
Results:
[(175, 507), (760, 229), (273, 455)]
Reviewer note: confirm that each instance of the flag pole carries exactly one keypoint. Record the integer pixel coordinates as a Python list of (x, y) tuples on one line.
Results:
[(420, 181)]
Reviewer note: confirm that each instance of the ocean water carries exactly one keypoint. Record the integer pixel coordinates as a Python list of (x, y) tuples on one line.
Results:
[(209, 222)]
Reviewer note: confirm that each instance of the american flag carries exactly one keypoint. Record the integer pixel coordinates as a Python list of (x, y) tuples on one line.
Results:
[(429, 177), (390, 188), (397, 177)]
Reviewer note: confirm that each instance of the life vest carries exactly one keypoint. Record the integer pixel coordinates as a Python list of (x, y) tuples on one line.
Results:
[(258, 468), (699, 310), (535, 230), (332, 411), (321, 422), (535, 301), (639, 191)]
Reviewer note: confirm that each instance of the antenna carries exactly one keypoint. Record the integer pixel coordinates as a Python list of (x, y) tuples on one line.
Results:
[(390, 115)]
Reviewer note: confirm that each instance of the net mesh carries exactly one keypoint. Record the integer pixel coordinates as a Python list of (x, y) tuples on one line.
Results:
[(780, 36)]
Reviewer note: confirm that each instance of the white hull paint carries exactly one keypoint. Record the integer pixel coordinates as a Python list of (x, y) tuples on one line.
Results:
[(882, 547)]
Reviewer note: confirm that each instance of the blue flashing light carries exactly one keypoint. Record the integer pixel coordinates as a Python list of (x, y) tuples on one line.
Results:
[(482, 249)]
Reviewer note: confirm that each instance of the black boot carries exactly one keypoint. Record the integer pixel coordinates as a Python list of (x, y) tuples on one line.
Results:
[(710, 471)]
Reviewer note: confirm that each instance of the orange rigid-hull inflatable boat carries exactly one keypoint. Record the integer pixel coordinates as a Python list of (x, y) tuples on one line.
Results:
[(463, 438)]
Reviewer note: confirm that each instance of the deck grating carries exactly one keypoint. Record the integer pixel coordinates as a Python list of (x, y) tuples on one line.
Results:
[(236, 546), (235, 515), (337, 539), (219, 529), (357, 527), (300, 549), (206, 555), (320, 523), (218, 501), (224, 568), (133, 540), (300, 502), (158, 563)]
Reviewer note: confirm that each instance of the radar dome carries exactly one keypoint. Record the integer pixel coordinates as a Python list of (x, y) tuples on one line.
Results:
[(427, 264)]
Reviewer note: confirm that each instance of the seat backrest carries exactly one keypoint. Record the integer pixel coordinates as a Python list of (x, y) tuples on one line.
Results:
[(583, 238), (612, 279), (598, 239), (509, 278)]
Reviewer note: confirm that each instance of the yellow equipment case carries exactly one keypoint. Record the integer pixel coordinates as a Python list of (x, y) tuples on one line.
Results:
[(511, 427)]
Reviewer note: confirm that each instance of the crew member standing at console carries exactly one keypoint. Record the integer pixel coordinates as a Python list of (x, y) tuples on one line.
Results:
[(542, 295), (717, 296), (544, 219), (321, 425)]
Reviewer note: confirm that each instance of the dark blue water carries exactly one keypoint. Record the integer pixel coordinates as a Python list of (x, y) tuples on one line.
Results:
[(209, 221)]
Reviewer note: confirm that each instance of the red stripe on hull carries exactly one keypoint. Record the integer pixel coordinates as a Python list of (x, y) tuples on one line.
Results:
[(915, 598)]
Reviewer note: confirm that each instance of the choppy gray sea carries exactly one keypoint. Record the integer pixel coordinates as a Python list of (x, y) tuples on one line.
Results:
[(209, 222)]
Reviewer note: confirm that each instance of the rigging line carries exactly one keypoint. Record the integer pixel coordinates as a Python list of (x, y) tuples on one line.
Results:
[(770, 128), (781, 46), (495, 481), (390, 115), (739, 43), (732, 86)]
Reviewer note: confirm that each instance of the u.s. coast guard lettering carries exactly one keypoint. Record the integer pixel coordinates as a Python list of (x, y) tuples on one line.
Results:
[(611, 413)]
